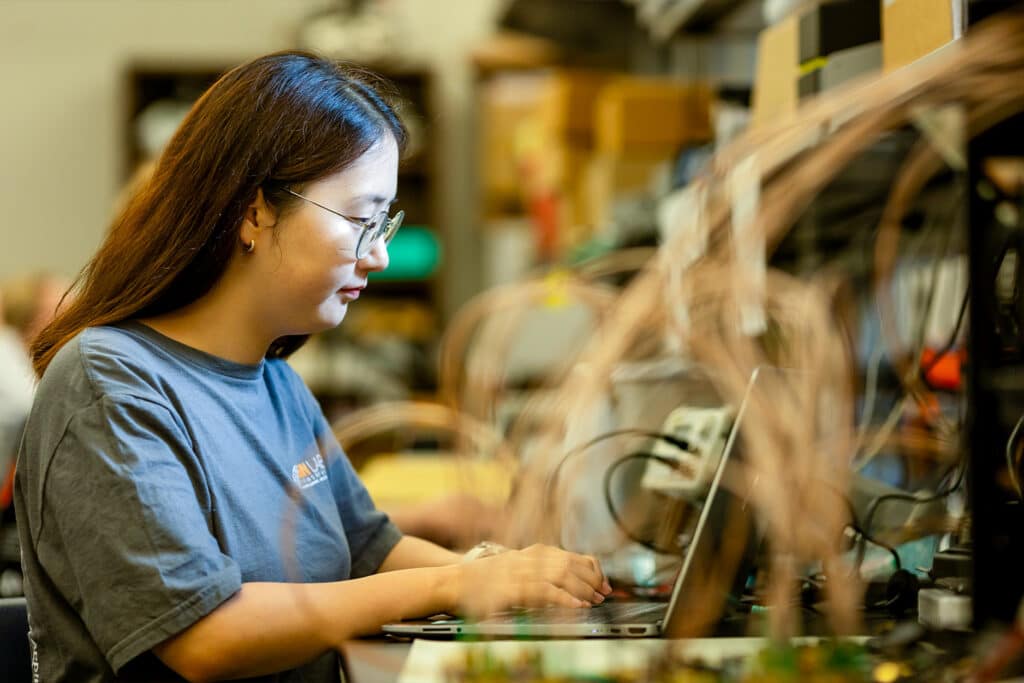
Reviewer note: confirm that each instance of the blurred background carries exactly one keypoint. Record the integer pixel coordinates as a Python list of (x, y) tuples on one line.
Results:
[(548, 137), (543, 134), (506, 172)]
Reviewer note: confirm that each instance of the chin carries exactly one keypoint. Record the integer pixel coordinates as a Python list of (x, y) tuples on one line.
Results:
[(332, 317), (321, 321)]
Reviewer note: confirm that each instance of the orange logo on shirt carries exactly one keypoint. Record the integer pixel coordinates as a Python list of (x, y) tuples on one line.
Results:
[(309, 472)]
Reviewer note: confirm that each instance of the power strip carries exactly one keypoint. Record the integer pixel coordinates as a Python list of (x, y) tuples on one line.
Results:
[(706, 430)]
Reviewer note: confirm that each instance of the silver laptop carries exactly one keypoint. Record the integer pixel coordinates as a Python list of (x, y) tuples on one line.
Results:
[(626, 618)]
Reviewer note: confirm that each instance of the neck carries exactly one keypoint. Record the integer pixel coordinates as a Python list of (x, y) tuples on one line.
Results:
[(219, 323)]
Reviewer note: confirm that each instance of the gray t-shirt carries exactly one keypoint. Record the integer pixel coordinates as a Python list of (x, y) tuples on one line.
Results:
[(154, 480)]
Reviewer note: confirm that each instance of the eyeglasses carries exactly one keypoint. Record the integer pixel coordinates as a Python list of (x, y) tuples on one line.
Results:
[(380, 226)]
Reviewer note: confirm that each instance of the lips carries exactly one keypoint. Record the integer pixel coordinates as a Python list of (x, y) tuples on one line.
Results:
[(351, 293)]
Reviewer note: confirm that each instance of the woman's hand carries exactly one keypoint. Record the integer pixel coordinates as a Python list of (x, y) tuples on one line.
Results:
[(536, 576)]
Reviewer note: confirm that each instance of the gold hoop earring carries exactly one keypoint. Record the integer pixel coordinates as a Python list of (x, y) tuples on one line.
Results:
[(251, 247)]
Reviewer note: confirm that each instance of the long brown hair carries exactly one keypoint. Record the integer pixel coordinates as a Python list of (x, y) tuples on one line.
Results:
[(279, 121)]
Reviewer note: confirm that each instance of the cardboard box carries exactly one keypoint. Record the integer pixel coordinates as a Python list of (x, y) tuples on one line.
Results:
[(507, 106), (913, 28), (571, 165), (775, 79), (566, 107), (811, 51), (610, 177), (651, 117), (536, 130)]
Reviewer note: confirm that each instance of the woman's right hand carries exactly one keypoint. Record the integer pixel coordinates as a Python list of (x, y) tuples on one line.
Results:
[(532, 577)]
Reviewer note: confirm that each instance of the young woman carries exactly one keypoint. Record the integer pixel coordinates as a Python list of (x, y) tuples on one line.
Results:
[(183, 507)]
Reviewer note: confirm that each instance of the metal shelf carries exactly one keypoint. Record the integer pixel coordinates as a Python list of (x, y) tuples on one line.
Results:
[(666, 18)]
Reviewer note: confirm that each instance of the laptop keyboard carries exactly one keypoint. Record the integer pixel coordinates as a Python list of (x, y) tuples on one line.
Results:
[(605, 613)]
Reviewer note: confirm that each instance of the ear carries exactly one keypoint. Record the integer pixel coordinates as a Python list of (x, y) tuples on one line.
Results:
[(258, 215)]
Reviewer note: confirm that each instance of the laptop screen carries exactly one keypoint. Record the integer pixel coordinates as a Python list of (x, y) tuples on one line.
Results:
[(719, 558)]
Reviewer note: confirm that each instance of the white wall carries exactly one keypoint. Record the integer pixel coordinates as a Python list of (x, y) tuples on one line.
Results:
[(61, 111)]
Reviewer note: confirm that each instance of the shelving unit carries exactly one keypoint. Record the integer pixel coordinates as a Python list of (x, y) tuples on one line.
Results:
[(667, 18)]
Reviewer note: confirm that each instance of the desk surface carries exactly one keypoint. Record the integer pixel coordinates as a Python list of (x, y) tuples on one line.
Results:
[(374, 660), (381, 661)]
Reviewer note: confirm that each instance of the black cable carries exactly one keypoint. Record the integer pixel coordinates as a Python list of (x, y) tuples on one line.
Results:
[(881, 544), (610, 503), (552, 482), (855, 526), (951, 342), (877, 502), (862, 537)]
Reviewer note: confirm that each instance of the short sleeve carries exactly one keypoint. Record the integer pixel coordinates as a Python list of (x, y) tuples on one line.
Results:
[(125, 529), (370, 533)]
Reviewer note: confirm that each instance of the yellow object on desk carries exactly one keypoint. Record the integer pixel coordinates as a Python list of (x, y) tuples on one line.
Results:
[(404, 478)]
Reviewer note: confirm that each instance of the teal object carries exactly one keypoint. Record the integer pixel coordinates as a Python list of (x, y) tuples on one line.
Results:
[(415, 254)]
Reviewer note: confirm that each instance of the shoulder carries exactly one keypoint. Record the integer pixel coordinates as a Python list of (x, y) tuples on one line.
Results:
[(102, 361), (95, 371), (96, 404)]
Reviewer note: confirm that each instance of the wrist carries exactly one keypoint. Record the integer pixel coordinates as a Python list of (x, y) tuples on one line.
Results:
[(482, 550), (448, 587)]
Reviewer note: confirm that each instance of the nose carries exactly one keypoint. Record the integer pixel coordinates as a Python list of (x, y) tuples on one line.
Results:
[(377, 259)]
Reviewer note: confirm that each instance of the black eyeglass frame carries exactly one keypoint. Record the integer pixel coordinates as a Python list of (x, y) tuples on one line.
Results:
[(380, 225)]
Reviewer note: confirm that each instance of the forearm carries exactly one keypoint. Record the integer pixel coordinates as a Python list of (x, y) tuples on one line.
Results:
[(413, 552), (454, 521), (412, 520), (270, 627)]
